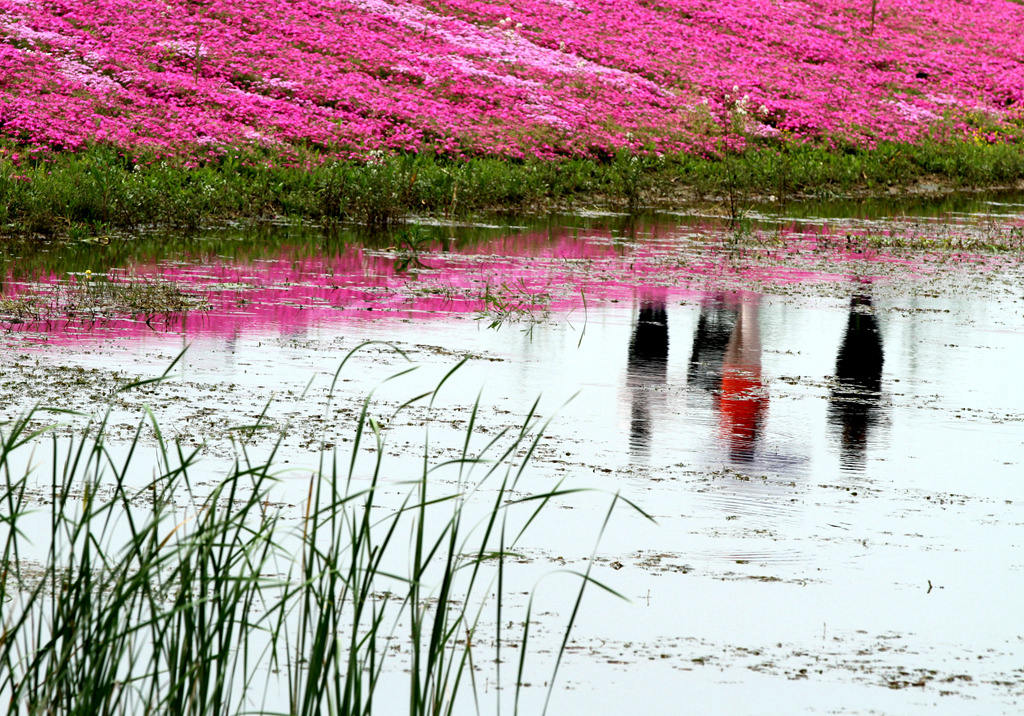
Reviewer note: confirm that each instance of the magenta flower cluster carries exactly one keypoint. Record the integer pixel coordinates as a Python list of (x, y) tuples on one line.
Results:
[(532, 77)]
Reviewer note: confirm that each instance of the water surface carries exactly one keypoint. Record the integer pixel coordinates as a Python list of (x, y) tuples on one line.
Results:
[(821, 407)]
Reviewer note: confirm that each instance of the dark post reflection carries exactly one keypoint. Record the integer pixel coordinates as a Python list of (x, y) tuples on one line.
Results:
[(714, 326), (854, 404), (646, 370)]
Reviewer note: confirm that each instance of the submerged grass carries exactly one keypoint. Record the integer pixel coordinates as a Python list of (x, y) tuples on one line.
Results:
[(96, 297), (100, 189), (122, 594)]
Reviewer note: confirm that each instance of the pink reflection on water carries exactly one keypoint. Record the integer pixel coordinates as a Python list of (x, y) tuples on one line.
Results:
[(553, 271)]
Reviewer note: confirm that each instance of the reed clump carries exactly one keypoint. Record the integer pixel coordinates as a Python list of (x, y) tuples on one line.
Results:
[(125, 594)]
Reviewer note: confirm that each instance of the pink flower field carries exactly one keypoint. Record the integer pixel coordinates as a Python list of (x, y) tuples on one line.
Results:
[(541, 78)]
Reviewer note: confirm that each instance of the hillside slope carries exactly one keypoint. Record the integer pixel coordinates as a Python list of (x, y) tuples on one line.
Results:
[(533, 77)]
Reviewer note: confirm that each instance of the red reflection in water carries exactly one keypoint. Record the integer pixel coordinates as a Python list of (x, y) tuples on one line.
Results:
[(743, 400)]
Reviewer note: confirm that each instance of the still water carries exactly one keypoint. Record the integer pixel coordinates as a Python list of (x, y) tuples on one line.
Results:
[(823, 413)]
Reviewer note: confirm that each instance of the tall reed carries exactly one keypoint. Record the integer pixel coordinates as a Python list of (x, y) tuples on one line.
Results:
[(130, 594)]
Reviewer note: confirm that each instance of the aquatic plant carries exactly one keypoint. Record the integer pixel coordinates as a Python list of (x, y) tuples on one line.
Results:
[(123, 588), (514, 302), (91, 297)]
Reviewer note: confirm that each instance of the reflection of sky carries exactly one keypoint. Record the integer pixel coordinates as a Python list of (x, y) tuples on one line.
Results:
[(800, 343), (948, 422)]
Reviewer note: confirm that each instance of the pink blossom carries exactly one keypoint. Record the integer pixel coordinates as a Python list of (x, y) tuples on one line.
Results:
[(533, 77)]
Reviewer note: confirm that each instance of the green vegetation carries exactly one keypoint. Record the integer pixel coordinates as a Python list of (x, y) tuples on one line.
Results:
[(123, 590), (514, 302), (91, 297), (89, 193)]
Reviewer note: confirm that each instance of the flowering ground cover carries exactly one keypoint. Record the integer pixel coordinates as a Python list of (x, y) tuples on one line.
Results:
[(541, 78)]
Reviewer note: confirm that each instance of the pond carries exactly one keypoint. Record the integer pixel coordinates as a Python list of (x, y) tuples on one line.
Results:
[(819, 406)]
